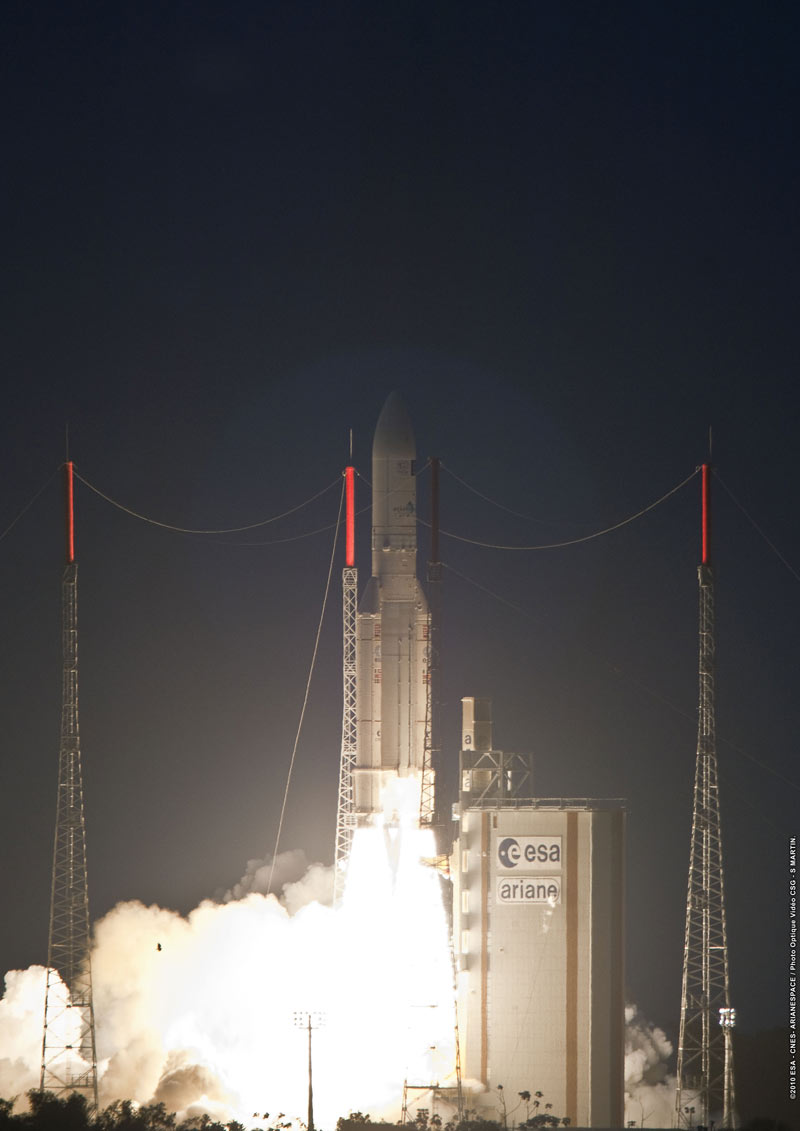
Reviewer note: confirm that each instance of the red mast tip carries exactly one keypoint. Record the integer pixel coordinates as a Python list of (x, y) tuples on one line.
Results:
[(350, 524), (706, 489), (70, 512)]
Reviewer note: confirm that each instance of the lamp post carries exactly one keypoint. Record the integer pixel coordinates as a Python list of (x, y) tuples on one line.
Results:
[(727, 1019), (305, 1019)]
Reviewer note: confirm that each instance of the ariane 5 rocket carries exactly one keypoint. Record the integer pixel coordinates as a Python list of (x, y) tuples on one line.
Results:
[(392, 646)]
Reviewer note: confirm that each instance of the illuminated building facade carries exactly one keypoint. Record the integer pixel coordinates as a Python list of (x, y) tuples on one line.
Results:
[(538, 933)]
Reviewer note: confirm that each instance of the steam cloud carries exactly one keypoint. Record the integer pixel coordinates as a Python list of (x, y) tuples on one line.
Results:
[(198, 1012), (649, 1088)]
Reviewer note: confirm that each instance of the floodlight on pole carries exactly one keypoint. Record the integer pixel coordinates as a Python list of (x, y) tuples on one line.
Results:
[(309, 1020), (727, 1019)]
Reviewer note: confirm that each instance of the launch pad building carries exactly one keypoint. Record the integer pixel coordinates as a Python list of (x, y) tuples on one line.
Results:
[(538, 933)]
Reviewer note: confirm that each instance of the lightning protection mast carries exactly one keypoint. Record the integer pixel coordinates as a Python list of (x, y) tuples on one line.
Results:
[(346, 815), (705, 1091), (69, 1058)]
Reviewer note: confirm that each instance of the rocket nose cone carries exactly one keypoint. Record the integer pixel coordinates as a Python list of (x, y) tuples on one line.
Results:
[(394, 436)]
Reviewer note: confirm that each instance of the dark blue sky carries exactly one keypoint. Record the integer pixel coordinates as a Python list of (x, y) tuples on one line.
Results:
[(567, 233)]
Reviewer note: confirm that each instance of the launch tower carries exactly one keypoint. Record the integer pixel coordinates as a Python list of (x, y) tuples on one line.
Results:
[(69, 1059), (705, 1056), (346, 814)]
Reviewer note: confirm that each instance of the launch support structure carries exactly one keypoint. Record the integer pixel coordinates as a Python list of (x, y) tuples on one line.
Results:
[(705, 1090), (69, 1058), (346, 816), (538, 902)]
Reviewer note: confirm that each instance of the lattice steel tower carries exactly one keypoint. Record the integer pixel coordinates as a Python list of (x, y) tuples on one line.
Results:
[(705, 1056), (69, 1059), (346, 813)]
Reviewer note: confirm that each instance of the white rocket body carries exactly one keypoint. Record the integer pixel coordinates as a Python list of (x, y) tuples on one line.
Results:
[(392, 639)]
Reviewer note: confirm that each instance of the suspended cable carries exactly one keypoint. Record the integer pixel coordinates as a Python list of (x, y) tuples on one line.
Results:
[(501, 506), (417, 474), (308, 688), (733, 790), (295, 537), (490, 592), (618, 671), (572, 541), (720, 737), (28, 505), (188, 530), (750, 518), (758, 762)]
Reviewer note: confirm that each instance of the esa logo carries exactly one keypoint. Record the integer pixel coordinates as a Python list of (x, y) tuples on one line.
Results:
[(529, 853)]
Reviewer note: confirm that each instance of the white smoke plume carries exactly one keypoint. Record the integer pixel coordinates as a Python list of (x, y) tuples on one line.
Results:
[(290, 868), (199, 1011), (649, 1087), (21, 1015)]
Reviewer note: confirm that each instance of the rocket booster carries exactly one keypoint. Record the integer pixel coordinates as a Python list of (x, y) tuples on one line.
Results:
[(392, 632)]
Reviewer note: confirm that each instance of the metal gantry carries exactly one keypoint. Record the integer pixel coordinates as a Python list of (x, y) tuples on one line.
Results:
[(705, 1091), (69, 1058), (346, 815), (346, 808)]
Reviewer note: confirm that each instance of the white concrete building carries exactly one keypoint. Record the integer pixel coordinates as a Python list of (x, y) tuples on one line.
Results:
[(538, 931)]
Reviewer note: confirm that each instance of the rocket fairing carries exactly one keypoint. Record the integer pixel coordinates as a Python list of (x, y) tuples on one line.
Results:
[(392, 632)]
